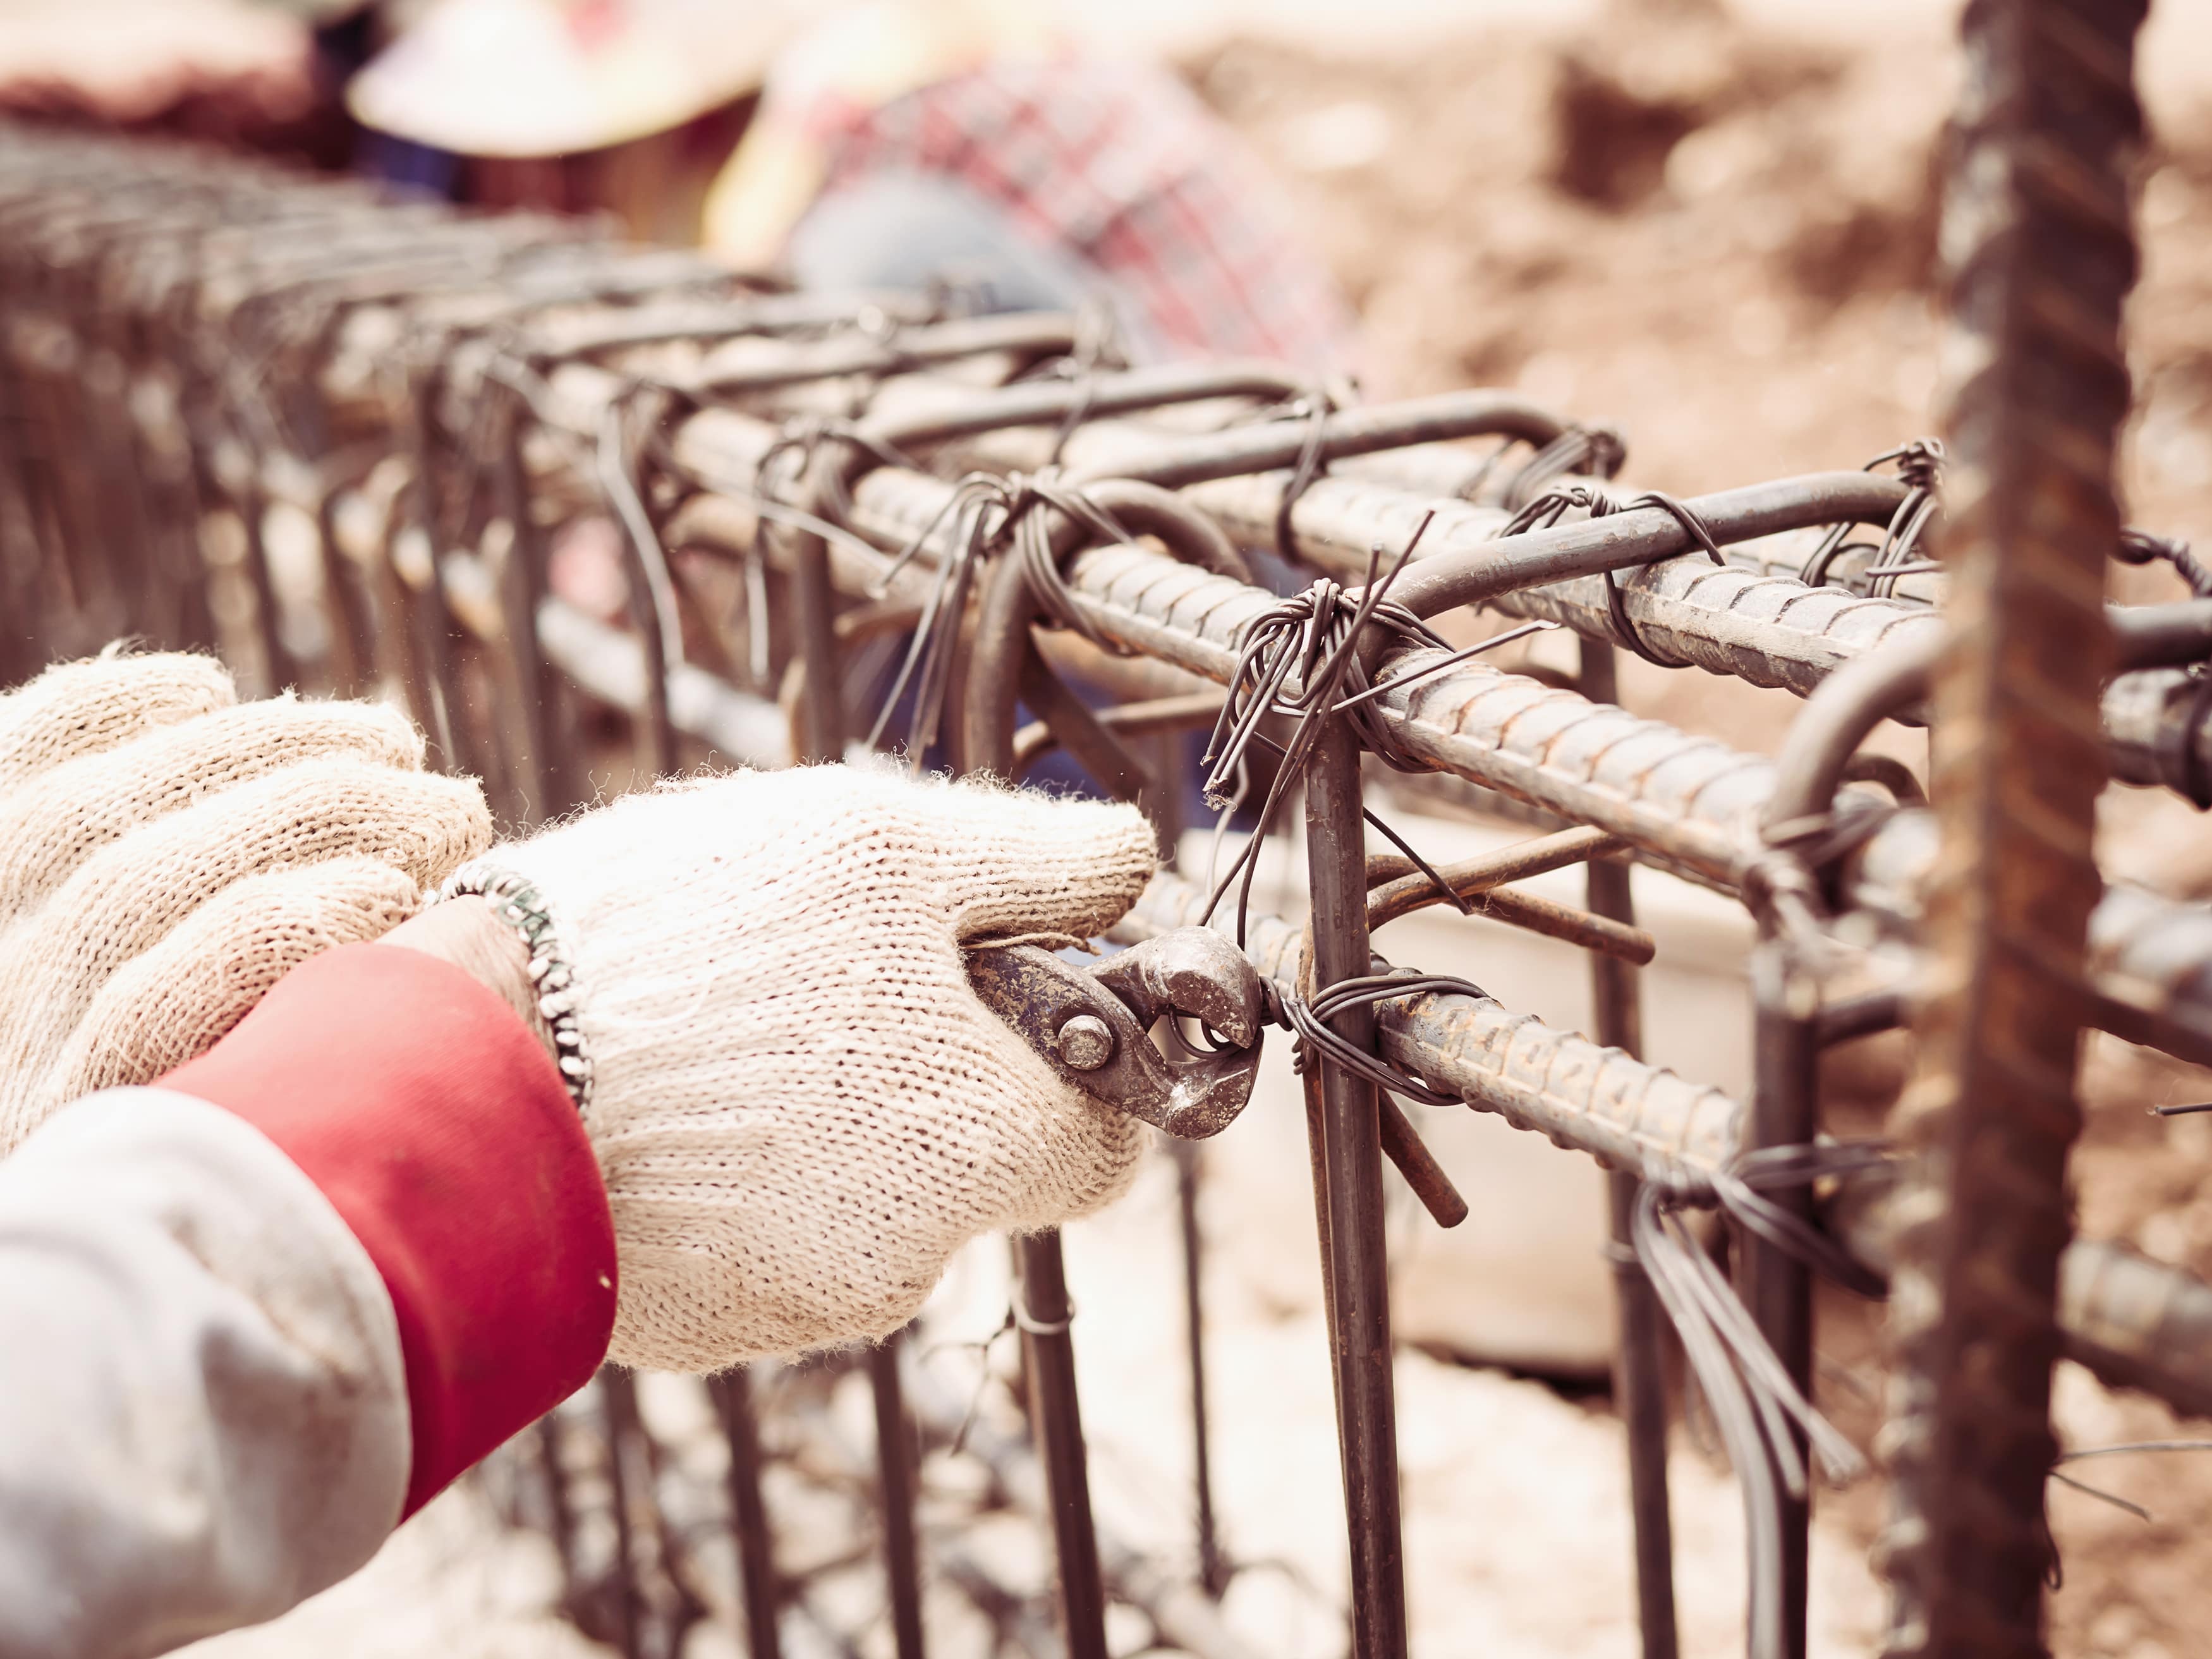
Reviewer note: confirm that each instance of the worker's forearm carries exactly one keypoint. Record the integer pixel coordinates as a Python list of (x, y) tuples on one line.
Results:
[(258, 1313), (204, 1408), (435, 1123)]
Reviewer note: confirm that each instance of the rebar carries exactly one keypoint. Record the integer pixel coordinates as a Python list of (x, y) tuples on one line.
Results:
[(1639, 1366), (197, 348), (2037, 218)]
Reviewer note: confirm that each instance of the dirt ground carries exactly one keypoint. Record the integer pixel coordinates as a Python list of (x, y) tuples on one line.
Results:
[(1722, 238)]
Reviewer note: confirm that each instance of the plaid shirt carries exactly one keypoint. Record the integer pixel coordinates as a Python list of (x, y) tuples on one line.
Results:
[(1120, 165)]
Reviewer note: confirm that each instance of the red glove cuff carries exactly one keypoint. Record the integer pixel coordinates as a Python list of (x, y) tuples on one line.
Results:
[(429, 1115)]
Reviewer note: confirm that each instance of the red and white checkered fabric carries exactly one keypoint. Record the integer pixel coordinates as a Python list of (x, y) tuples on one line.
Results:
[(1120, 165)]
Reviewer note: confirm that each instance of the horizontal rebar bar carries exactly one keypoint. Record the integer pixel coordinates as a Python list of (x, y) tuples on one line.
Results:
[(2136, 1323), (1589, 1098), (1685, 802)]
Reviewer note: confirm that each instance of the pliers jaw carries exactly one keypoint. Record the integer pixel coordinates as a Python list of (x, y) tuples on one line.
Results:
[(1090, 1024)]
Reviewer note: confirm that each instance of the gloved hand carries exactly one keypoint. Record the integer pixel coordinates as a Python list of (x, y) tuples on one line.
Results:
[(168, 854), (800, 1109)]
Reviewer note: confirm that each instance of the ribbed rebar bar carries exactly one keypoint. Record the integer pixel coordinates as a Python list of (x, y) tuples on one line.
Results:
[(279, 326), (2042, 255), (2137, 1323)]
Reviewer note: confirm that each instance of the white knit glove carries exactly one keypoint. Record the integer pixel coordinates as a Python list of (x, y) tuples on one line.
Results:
[(166, 854), (800, 1108)]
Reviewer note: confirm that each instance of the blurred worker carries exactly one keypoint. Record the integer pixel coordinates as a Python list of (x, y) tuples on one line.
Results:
[(229, 71), (890, 144), (693, 1078)]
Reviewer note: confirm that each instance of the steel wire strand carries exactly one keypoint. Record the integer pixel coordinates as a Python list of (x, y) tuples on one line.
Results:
[(1315, 408), (1548, 508), (2055, 1574), (1920, 466), (1307, 1021), (988, 514), (1596, 451), (937, 633), (1742, 1187), (1314, 637), (1753, 1402), (1669, 1256)]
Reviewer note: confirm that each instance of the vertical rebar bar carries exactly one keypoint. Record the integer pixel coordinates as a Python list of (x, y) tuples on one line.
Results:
[(1354, 1258), (756, 1580), (560, 1518), (433, 686), (348, 662), (542, 767), (896, 1473), (277, 664), (1776, 1286), (1639, 1363), (822, 715), (1212, 1566), (21, 648), (618, 1408), (1056, 1421), (1164, 803), (652, 602), (1043, 1313), (2041, 162)]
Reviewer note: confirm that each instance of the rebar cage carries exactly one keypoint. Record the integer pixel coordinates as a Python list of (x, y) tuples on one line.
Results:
[(345, 438)]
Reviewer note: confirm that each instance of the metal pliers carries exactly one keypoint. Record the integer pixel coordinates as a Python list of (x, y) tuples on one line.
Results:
[(1089, 1024)]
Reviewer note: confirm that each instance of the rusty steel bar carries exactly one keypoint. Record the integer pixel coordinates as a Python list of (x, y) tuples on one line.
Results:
[(293, 281), (618, 1410), (1213, 1564), (1167, 810), (1388, 874), (1786, 555), (1176, 463), (1777, 1287), (1602, 935), (760, 1594), (896, 1476), (1026, 337), (2137, 1323), (1044, 1314), (1578, 1093), (1350, 1154), (2158, 730), (2036, 223), (1639, 1361)]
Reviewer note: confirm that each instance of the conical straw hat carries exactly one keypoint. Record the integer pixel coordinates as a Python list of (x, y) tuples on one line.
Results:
[(550, 77)]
